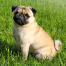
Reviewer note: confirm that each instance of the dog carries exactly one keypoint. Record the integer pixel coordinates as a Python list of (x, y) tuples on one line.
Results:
[(30, 36)]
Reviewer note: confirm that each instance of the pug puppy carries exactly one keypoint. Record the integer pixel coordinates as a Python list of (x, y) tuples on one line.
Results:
[(30, 36)]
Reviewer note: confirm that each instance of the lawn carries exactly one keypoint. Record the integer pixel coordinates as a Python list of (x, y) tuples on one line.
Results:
[(51, 16)]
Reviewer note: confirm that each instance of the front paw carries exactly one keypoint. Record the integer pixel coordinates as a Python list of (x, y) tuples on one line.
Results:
[(24, 57)]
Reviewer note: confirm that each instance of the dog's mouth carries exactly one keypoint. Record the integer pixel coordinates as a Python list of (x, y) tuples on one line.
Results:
[(20, 19)]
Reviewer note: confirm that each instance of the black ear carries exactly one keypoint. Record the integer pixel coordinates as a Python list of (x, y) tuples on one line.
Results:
[(13, 8), (34, 11)]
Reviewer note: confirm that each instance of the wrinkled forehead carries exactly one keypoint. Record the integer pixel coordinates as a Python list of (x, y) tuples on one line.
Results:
[(24, 10)]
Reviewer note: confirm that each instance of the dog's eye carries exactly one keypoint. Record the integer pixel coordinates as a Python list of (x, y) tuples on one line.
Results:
[(27, 15), (16, 12)]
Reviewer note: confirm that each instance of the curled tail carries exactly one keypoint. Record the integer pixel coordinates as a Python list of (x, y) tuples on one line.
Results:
[(58, 45)]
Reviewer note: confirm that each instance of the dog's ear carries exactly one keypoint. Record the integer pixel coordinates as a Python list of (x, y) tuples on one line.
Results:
[(34, 11), (13, 8)]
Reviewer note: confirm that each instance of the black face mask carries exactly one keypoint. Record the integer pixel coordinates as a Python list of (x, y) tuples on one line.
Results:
[(20, 19)]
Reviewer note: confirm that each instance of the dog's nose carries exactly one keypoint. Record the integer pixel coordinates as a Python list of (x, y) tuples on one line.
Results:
[(13, 8)]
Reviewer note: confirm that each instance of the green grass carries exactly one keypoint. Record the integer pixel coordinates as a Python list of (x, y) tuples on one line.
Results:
[(51, 16)]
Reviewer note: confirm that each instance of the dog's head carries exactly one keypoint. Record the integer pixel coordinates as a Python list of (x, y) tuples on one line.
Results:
[(23, 15)]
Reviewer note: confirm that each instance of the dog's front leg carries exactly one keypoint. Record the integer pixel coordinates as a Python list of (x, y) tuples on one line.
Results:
[(25, 50)]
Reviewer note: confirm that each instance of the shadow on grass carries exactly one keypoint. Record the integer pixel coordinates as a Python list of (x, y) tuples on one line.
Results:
[(5, 47)]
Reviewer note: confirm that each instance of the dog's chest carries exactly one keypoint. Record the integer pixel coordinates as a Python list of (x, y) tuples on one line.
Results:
[(22, 35)]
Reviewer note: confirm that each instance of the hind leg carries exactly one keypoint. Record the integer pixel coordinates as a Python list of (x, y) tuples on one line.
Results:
[(40, 56), (45, 53), (43, 57)]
